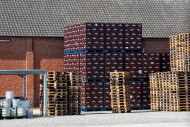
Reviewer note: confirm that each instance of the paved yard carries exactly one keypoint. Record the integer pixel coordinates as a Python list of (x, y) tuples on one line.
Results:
[(139, 118)]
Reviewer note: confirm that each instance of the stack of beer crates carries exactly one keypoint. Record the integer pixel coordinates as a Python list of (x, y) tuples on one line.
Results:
[(120, 92), (96, 49), (170, 91), (139, 65), (63, 91)]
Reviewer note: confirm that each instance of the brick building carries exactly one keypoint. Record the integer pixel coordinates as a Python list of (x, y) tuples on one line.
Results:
[(31, 32)]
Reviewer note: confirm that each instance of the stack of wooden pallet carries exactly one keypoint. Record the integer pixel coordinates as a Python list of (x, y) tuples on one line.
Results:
[(56, 92), (179, 52), (180, 91), (155, 91), (63, 93), (170, 91), (74, 81), (120, 92)]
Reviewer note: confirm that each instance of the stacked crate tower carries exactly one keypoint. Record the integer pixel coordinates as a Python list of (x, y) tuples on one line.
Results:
[(96, 49), (120, 92), (64, 93), (170, 91)]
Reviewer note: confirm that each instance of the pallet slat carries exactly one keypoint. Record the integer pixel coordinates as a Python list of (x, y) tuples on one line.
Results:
[(64, 93), (120, 92), (167, 93)]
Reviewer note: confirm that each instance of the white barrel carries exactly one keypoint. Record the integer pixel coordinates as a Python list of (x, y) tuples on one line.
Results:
[(9, 95), (29, 113), (15, 103), (21, 112), (13, 112), (7, 103), (25, 104), (6, 112)]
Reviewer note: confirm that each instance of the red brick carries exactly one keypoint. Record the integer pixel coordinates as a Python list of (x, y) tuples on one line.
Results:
[(42, 53), (48, 55), (29, 53), (156, 45)]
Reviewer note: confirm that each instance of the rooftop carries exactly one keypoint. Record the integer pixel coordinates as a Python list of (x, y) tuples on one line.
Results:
[(159, 18)]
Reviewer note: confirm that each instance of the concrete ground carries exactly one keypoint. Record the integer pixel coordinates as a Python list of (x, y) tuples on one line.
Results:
[(137, 118)]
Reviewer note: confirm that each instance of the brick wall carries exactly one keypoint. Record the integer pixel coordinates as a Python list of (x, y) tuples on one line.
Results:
[(156, 45), (29, 65), (42, 53), (48, 55), (12, 56), (29, 53)]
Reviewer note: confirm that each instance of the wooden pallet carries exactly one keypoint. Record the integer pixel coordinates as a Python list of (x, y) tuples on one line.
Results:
[(60, 113), (119, 73), (179, 50), (64, 90), (120, 90), (173, 92), (65, 108), (74, 83)]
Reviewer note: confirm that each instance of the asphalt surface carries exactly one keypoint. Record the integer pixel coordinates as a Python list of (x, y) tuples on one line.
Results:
[(141, 118)]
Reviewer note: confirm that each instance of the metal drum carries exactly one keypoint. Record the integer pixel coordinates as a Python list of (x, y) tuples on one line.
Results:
[(29, 113), (6, 112), (21, 112), (0, 112), (9, 95), (13, 112), (15, 103), (25, 104), (1, 103), (7, 103)]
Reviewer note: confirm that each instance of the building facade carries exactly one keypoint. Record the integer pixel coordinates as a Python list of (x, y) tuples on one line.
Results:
[(32, 36), (25, 53)]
